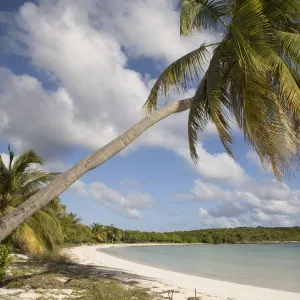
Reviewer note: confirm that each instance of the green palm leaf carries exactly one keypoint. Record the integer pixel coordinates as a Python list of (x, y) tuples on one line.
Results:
[(179, 74), (19, 181), (290, 45), (286, 84), (253, 77), (198, 117), (28, 239), (283, 14), (25, 159), (201, 14)]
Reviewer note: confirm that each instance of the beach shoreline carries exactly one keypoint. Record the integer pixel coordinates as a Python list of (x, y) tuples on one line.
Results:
[(161, 280)]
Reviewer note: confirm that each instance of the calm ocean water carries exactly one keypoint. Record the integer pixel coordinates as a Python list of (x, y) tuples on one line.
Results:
[(272, 266)]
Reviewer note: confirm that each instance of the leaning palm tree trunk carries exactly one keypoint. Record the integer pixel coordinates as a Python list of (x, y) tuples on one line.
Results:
[(12, 220)]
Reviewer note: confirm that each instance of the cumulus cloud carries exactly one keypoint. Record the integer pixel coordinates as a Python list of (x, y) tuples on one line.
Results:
[(98, 96), (128, 205), (79, 188), (216, 167), (208, 191), (83, 49), (267, 203), (133, 213), (129, 23)]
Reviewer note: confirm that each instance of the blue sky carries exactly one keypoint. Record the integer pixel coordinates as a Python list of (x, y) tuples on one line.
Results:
[(74, 75)]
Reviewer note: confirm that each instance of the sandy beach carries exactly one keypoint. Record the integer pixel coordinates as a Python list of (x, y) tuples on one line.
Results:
[(162, 281)]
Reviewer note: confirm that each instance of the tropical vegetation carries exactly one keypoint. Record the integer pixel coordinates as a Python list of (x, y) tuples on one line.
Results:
[(52, 225), (21, 178), (74, 232), (252, 77), (209, 236), (4, 260)]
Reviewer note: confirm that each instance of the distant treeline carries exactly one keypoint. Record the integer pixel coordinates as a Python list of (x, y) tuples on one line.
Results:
[(98, 233), (52, 225), (217, 236)]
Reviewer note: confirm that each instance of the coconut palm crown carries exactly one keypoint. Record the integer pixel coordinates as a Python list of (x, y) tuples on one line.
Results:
[(19, 180), (252, 76)]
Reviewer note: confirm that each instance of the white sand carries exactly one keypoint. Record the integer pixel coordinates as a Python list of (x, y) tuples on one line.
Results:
[(184, 285)]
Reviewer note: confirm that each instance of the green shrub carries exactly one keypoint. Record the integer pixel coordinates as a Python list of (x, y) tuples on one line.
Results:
[(4, 260)]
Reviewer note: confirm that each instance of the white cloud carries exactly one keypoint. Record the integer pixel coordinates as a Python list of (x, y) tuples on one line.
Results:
[(137, 199), (133, 213), (220, 167), (209, 192), (98, 95), (209, 221), (80, 47), (267, 203), (279, 220), (128, 205), (88, 98), (202, 212), (79, 188), (129, 22), (217, 167)]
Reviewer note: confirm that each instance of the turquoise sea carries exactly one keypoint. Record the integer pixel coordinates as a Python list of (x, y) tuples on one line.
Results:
[(275, 266)]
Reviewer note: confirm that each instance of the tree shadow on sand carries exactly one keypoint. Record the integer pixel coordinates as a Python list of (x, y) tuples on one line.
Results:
[(47, 275)]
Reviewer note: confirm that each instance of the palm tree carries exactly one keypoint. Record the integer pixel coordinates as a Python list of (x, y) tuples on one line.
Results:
[(75, 219), (18, 181), (253, 76), (96, 228)]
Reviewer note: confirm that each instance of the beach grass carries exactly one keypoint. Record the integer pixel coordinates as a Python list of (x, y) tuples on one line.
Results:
[(54, 276), (52, 257), (114, 291)]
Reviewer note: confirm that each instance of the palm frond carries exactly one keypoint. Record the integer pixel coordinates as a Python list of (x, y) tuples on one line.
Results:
[(47, 240), (47, 227), (258, 82), (179, 75), (201, 14), (24, 160), (198, 117), (251, 35), (267, 127), (217, 94), (56, 207), (289, 44), (49, 223), (35, 180), (18, 182), (288, 88), (283, 15), (28, 239)]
